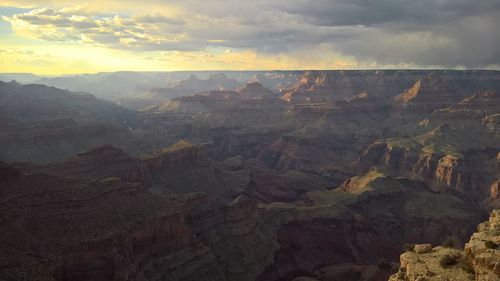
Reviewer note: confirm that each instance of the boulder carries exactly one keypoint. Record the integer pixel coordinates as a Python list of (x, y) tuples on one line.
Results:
[(422, 248)]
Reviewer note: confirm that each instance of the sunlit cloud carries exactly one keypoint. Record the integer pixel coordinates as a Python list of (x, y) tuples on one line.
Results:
[(142, 31)]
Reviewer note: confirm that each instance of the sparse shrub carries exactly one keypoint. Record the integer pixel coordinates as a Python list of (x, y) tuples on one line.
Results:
[(448, 260), (448, 243), (490, 244), (466, 266), (408, 247), (401, 275)]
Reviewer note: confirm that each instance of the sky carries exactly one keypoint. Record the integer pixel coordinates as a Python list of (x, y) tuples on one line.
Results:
[(56, 37)]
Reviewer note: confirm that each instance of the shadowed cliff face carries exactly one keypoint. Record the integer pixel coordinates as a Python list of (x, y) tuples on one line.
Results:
[(43, 124), (319, 181), (187, 236), (100, 162), (56, 228)]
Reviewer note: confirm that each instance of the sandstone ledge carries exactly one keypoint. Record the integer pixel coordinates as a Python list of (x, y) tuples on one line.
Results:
[(483, 249), (480, 260)]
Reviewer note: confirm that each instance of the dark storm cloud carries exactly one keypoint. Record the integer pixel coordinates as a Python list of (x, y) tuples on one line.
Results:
[(443, 33), (379, 12)]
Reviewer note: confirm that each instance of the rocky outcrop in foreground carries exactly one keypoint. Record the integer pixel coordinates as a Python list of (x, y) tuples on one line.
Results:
[(480, 260), (483, 249)]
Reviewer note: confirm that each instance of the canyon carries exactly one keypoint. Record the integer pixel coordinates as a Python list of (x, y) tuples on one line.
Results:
[(299, 175)]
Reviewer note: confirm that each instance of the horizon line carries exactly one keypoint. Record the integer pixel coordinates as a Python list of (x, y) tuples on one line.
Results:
[(261, 70)]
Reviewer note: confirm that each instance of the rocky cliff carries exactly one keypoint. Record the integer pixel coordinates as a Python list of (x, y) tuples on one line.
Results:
[(426, 95), (186, 87), (471, 172), (55, 228), (97, 163), (324, 86), (480, 260), (183, 168), (43, 124), (247, 106)]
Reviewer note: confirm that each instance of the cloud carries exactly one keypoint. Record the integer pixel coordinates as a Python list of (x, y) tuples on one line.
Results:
[(421, 33), (140, 32), (380, 12), (158, 18)]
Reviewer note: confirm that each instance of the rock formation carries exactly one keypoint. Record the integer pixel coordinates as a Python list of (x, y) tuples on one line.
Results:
[(317, 175), (186, 87), (55, 228), (480, 260), (483, 249), (43, 124), (100, 162)]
